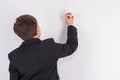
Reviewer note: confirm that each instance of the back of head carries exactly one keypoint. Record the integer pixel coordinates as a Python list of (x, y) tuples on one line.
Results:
[(25, 27)]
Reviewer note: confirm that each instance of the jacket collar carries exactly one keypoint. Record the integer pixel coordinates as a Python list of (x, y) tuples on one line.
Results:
[(30, 41)]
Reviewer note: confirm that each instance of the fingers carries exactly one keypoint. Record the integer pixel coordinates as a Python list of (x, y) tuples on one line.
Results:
[(69, 16)]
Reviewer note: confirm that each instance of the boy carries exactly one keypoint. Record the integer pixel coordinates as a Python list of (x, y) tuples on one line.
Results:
[(35, 59)]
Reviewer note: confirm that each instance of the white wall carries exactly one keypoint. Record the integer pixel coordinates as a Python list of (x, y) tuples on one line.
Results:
[(98, 23)]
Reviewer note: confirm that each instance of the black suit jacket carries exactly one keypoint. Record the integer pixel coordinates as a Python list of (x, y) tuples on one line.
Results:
[(37, 60)]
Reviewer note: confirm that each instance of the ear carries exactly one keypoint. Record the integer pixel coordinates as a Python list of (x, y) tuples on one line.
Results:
[(38, 29), (38, 32)]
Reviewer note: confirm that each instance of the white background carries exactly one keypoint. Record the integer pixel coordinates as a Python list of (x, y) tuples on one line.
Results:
[(98, 24)]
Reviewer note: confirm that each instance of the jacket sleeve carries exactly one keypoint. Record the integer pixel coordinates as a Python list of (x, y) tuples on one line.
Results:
[(14, 74), (63, 50)]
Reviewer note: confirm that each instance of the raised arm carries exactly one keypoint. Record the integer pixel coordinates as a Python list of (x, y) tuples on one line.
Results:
[(71, 44)]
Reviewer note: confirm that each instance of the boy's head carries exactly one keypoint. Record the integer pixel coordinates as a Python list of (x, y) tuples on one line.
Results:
[(26, 27)]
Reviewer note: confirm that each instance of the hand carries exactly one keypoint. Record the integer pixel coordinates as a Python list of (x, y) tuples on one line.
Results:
[(69, 18)]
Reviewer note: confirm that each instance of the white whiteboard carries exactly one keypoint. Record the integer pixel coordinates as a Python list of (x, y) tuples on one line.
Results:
[(98, 24)]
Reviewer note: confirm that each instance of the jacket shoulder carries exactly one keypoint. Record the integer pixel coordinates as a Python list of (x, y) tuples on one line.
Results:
[(49, 40), (13, 53)]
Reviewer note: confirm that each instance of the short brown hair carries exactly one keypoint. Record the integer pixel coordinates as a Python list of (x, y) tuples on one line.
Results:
[(25, 26)]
